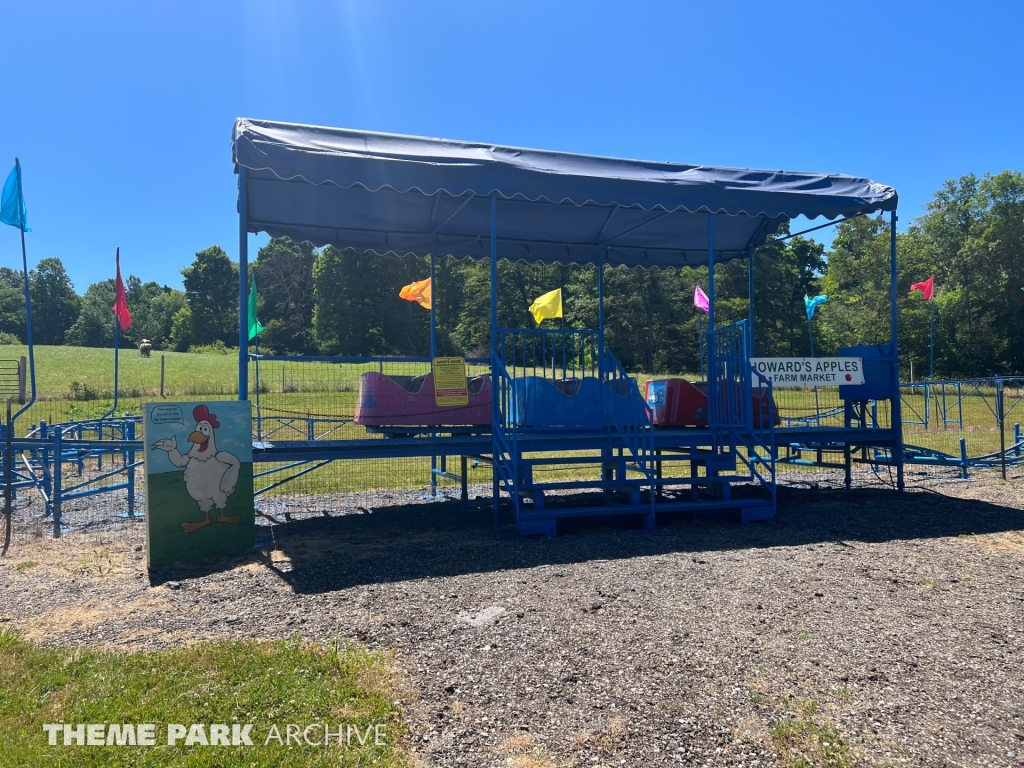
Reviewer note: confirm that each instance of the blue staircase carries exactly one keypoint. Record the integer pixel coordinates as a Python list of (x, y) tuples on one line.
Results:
[(741, 452), (565, 405)]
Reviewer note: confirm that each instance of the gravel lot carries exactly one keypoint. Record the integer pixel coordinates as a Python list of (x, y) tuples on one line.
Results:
[(893, 625)]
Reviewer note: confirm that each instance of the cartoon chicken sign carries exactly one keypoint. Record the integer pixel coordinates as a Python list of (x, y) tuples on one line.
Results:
[(215, 451), (210, 474)]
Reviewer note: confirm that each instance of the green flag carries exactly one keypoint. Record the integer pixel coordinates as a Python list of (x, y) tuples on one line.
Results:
[(255, 329)]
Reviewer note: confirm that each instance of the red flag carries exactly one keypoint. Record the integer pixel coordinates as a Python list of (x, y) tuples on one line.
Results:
[(120, 308), (927, 288)]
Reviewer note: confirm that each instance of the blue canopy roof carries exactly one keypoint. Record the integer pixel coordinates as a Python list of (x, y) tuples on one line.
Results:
[(392, 194)]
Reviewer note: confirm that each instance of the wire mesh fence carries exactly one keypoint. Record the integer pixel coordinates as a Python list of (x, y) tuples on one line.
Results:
[(333, 400)]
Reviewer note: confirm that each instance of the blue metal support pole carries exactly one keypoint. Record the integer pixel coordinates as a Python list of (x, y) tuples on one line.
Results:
[(711, 283), (28, 307), (750, 302), (709, 339), (897, 406), (117, 358), (117, 344), (433, 354), (433, 304), (495, 385), (243, 284), (55, 494), (931, 350), (600, 311), (130, 435), (700, 344)]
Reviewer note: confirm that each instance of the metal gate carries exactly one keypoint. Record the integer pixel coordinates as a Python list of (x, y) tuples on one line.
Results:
[(729, 390)]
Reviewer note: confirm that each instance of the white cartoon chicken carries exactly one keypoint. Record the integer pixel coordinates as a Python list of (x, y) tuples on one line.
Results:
[(210, 475)]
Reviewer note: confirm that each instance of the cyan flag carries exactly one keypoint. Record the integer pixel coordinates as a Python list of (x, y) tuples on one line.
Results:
[(12, 202), (811, 304)]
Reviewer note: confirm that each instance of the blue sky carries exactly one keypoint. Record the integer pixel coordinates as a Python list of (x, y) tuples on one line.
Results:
[(122, 112)]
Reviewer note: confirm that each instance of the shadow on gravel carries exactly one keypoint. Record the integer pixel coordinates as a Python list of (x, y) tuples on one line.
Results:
[(440, 539)]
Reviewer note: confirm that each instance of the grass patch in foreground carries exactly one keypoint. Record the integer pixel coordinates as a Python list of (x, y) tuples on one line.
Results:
[(803, 743), (223, 682)]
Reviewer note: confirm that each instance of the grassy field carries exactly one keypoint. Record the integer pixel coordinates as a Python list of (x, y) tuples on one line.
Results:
[(228, 682), (78, 372)]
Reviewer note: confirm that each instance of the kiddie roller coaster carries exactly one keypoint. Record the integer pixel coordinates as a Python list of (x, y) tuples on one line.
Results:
[(544, 397)]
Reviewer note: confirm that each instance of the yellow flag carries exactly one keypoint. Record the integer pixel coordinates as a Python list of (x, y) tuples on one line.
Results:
[(421, 292), (547, 306)]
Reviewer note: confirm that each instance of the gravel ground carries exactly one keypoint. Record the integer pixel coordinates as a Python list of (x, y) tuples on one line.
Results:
[(891, 624)]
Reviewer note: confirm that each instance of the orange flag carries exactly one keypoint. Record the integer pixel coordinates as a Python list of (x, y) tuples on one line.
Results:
[(421, 292)]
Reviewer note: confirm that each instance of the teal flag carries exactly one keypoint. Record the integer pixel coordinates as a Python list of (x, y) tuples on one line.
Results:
[(255, 329), (812, 304), (12, 202)]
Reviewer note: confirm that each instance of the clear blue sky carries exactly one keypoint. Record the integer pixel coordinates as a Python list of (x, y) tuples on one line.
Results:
[(122, 112)]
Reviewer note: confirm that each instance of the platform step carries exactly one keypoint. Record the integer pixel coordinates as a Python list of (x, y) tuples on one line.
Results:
[(642, 482), (748, 506), (555, 460)]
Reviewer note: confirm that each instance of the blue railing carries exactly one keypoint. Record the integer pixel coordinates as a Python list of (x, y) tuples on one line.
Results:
[(739, 415), (504, 431), (633, 423), (555, 353)]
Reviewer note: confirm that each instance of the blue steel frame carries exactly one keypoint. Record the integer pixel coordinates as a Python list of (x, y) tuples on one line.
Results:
[(497, 440), (243, 286)]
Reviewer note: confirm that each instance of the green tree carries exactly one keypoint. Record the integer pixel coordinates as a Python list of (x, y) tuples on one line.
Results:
[(284, 280), (358, 311), (211, 291), (12, 303), (55, 305), (95, 324)]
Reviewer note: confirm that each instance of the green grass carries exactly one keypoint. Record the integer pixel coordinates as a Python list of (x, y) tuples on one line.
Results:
[(226, 682), (803, 743), (57, 368)]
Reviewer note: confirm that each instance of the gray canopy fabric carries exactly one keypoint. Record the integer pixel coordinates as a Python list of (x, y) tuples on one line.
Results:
[(413, 195)]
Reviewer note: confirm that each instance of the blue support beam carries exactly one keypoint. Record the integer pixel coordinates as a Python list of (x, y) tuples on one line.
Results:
[(750, 301), (495, 391), (243, 285), (897, 410)]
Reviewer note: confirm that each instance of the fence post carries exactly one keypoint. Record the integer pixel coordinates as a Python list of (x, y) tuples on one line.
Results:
[(963, 458), (162, 364), (130, 434), (22, 388), (55, 494), (1016, 439), (1002, 430), (44, 462), (8, 470)]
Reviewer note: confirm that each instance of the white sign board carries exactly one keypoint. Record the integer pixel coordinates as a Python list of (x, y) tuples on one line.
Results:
[(810, 371)]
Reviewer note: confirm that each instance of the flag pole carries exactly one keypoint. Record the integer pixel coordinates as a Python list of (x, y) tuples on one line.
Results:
[(28, 303), (117, 344), (931, 345), (117, 350), (700, 345), (259, 412), (817, 407)]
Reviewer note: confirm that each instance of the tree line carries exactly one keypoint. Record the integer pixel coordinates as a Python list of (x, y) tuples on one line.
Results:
[(340, 302)]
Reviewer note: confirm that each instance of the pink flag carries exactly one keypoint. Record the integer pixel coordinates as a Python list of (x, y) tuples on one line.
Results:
[(700, 299), (120, 308)]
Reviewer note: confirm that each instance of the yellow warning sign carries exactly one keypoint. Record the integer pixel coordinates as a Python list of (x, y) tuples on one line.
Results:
[(450, 386)]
